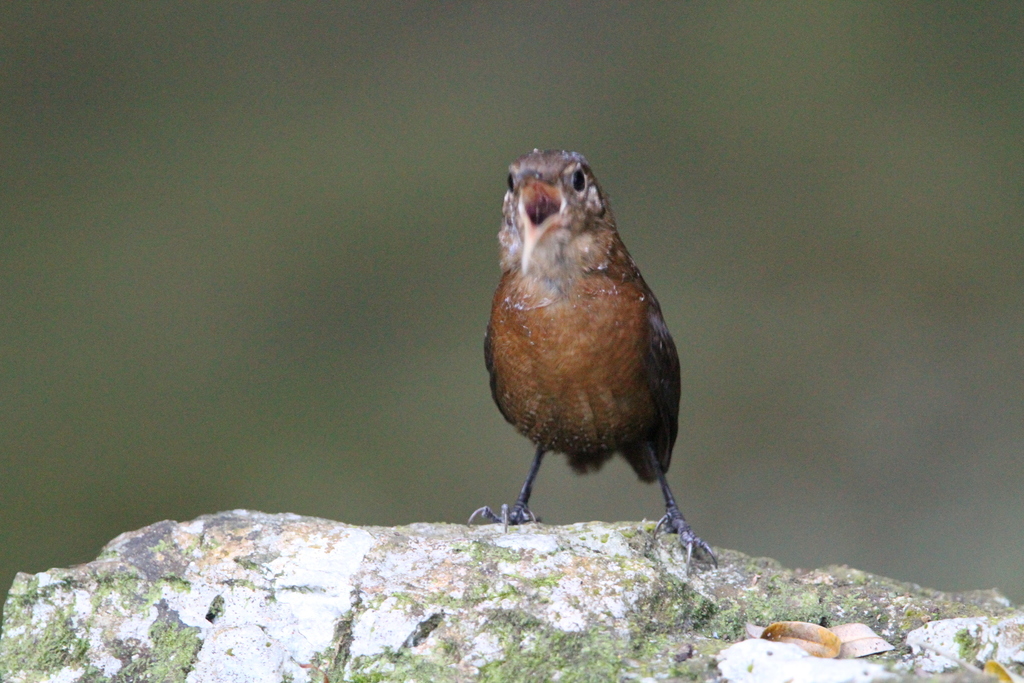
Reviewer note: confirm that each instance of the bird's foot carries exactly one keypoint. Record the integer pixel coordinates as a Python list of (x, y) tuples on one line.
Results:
[(674, 523), (518, 514)]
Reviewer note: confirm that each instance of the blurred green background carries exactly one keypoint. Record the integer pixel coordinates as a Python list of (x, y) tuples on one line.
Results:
[(247, 255)]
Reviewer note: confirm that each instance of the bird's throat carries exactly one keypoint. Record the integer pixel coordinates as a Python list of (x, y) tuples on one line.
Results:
[(541, 207)]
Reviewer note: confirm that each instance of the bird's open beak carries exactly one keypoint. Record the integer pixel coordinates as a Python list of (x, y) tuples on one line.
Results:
[(540, 207)]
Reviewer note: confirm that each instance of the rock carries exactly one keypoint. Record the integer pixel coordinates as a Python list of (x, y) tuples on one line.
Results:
[(761, 661), (246, 596), (972, 640)]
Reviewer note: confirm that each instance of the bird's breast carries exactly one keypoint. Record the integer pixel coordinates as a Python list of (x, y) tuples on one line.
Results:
[(570, 372)]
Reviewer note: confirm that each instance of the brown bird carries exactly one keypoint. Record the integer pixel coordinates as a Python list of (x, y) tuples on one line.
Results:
[(580, 359)]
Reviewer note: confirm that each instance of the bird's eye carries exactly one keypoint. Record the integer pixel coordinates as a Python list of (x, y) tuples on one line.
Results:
[(511, 182), (579, 181)]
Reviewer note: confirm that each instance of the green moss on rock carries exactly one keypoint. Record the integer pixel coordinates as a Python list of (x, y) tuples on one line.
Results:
[(967, 644), (37, 654), (534, 650), (175, 648)]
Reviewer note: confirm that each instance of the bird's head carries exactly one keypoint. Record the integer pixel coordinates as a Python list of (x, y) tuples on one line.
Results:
[(556, 218)]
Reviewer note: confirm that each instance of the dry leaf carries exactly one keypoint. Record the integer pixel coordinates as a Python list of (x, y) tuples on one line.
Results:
[(858, 640), (813, 639), (994, 668), (754, 631)]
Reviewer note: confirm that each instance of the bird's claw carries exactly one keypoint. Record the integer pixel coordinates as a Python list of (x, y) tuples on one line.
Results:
[(674, 523), (518, 514), (486, 512)]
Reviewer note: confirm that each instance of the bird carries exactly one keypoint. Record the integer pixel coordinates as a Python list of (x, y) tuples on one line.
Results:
[(580, 359)]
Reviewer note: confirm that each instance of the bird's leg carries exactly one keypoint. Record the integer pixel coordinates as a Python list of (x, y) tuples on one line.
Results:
[(673, 520), (520, 512)]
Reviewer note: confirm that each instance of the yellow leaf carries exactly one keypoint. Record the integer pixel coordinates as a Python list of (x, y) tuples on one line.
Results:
[(813, 639), (994, 668)]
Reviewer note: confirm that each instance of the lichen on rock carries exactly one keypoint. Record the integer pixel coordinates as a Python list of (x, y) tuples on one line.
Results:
[(247, 596)]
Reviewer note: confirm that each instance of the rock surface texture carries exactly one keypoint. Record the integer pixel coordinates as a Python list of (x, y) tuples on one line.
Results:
[(246, 596)]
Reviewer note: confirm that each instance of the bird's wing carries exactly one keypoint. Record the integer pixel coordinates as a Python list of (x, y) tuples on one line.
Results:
[(489, 361), (663, 379)]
